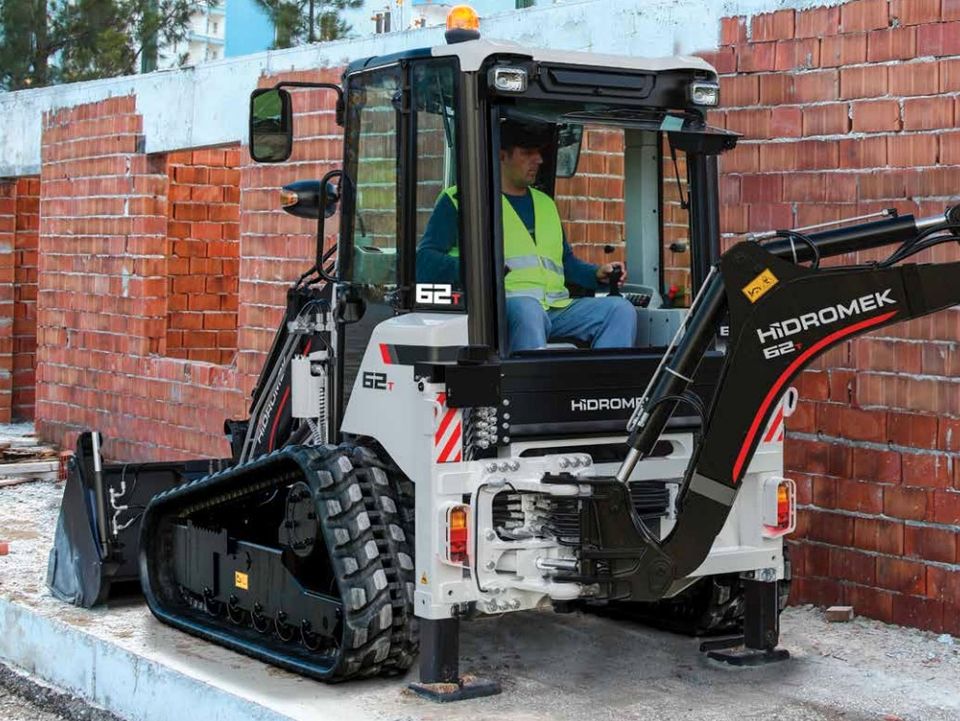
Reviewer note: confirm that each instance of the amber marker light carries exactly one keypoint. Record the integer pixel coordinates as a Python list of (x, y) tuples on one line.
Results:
[(463, 24)]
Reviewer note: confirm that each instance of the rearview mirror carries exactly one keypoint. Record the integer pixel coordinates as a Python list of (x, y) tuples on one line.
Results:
[(271, 125), (568, 150)]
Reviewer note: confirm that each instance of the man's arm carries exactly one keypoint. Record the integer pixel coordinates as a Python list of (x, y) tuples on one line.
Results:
[(578, 272), (434, 264)]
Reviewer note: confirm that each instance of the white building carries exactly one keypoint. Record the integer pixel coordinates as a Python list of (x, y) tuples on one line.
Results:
[(204, 40)]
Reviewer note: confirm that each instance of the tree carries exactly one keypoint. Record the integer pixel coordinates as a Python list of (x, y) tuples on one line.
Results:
[(53, 41), (307, 21)]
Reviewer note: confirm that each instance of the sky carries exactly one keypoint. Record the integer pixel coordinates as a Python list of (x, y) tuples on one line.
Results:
[(248, 30)]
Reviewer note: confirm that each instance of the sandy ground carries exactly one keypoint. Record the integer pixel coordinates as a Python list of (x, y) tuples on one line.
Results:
[(556, 667)]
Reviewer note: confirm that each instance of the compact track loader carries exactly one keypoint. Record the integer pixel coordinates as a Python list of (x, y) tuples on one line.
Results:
[(400, 472)]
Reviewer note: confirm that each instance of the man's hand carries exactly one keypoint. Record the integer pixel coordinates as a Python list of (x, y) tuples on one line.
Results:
[(604, 271)]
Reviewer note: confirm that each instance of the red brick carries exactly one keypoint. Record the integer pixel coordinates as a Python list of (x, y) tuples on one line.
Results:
[(927, 113), (943, 584), (876, 116), (765, 216), (825, 492), (859, 497), (733, 30), (950, 148), (739, 90), (827, 119), (902, 576), (786, 122), (742, 159), (761, 188), (819, 591), (773, 26), (910, 504), (870, 602), (868, 81), (938, 39), (805, 456), (950, 10), (874, 534), (918, 612), (840, 50), (812, 385), (912, 429), (854, 566), (817, 22), (876, 465), (915, 12), (912, 150), (930, 544), (753, 124), (893, 44), (798, 54), (855, 424), (863, 15), (949, 75), (812, 87), (831, 528), (804, 186), (756, 57), (946, 507), (948, 434), (869, 152), (920, 78), (927, 470)]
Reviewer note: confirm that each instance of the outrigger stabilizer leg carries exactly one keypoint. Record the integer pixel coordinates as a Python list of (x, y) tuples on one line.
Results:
[(781, 316), (440, 678)]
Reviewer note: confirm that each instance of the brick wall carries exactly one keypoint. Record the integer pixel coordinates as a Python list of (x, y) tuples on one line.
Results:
[(847, 110), (8, 227), (25, 298), (102, 304), (203, 254)]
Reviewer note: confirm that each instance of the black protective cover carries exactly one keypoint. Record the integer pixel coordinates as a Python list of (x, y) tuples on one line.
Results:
[(79, 571)]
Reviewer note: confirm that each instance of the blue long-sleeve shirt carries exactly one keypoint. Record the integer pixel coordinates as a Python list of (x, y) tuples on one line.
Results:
[(435, 265)]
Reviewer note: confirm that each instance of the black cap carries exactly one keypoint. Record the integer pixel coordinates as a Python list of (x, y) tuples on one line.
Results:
[(524, 134)]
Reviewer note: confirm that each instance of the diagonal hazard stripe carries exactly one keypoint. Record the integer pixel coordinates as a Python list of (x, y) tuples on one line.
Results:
[(451, 444)]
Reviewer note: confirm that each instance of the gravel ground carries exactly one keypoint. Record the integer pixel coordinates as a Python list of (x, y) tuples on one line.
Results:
[(552, 667), (24, 699)]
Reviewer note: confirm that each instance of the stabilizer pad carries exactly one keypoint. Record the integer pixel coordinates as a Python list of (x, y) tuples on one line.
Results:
[(466, 687)]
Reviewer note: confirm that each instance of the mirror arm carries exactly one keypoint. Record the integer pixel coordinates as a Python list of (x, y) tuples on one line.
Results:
[(321, 257)]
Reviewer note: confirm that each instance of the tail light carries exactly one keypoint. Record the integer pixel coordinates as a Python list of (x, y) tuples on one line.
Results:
[(457, 535), (779, 507)]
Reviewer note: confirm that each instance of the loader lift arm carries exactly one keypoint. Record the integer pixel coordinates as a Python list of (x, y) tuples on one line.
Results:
[(782, 316)]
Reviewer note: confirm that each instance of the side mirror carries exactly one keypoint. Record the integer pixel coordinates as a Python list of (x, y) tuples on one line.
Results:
[(271, 125), (568, 150), (304, 199)]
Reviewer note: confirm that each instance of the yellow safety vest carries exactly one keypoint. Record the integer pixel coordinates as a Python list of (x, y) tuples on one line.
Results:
[(536, 266)]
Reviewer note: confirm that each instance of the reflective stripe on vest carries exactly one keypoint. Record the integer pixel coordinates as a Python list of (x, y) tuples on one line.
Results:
[(536, 267)]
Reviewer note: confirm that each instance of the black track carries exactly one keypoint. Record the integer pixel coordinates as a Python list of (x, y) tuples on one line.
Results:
[(360, 571)]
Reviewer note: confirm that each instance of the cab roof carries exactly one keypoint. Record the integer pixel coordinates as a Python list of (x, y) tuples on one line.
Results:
[(473, 53)]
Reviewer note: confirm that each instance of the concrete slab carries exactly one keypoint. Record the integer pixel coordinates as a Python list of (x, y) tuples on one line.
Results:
[(552, 667)]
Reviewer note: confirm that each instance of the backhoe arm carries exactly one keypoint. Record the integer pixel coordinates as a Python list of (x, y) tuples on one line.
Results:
[(781, 317)]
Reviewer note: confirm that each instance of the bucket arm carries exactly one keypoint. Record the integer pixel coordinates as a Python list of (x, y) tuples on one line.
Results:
[(781, 317)]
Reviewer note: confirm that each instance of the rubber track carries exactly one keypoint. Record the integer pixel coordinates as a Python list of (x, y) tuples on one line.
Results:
[(368, 549)]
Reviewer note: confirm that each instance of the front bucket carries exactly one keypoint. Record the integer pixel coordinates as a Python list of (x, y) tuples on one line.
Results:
[(80, 570)]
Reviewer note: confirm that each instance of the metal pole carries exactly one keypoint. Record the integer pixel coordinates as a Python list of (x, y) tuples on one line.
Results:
[(98, 492)]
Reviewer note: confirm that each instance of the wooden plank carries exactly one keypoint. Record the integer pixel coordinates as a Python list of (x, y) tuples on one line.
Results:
[(28, 468)]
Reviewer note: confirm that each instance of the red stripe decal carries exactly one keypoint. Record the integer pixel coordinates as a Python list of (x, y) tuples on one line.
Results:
[(788, 373), (385, 353), (458, 458), (451, 444), (276, 419), (773, 426), (451, 412)]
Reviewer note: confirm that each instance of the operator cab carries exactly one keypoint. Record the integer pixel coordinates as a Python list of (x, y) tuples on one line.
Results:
[(630, 164)]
